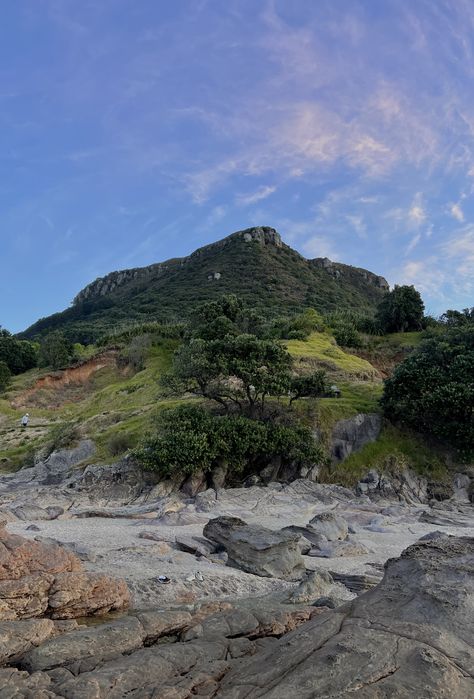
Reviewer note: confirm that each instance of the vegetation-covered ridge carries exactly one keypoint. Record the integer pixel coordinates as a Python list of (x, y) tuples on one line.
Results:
[(255, 264)]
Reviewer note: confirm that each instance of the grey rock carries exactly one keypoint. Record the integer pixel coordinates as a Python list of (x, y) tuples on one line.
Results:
[(307, 537), (432, 536), (15, 684), (394, 484), (18, 637), (412, 635), (153, 672), (194, 484), (218, 476), (331, 526), (338, 549), (55, 511), (163, 623), (206, 500), (195, 544), (443, 520), (86, 647), (317, 584), (356, 583), (256, 549), (57, 468), (31, 512), (114, 484), (351, 435)]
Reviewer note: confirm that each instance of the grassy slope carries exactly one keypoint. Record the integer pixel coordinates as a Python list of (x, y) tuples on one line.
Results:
[(111, 403), (113, 406), (361, 390)]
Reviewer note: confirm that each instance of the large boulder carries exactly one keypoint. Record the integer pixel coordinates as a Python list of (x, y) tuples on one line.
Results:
[(394, 484), (257, 550), (327, 524), (55, 469), (412, 635), (43, 578), (352, 434)]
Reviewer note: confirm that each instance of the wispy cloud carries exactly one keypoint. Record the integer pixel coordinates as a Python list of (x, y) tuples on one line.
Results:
[(262, 193), (320, 246), (417, 213), (456, 212)]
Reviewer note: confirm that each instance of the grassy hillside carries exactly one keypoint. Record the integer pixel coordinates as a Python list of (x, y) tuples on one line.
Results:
[(253, 264), (103, 400), (109, 405)]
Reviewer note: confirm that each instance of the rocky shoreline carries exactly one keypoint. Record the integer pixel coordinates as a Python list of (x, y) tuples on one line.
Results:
[(257, 591)]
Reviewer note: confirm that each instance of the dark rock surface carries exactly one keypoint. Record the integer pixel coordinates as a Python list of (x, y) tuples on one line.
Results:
[(354, 433), (411, 636)]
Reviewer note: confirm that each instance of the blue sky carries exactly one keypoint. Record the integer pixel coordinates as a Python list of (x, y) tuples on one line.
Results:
[(132, 131)]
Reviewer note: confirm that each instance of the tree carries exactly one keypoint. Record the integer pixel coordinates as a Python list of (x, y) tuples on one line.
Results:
[(5, 375), (18, 355), (312, 385), (227, 316), (432, 391), (457, 318), (346, 335), (55, 350), (240, 371), (401, 310)]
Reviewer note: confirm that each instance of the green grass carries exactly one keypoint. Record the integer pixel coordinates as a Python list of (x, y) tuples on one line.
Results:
[(394, 451), (110, 403), (409, 339), (322, 349)]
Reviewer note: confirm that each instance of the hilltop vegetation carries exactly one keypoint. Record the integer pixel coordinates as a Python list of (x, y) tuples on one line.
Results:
[(254, 264), (262, 389)]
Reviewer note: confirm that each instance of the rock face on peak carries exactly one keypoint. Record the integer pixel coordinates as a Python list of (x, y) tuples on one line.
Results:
[(253, 263)]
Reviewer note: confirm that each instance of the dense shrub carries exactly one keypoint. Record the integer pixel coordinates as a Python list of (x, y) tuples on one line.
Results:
[(311, 385), (432, 391), (190, 439), (5, 375), (346, 335)]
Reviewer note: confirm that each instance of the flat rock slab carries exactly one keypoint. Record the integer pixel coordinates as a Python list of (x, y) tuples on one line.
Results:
[(91, 644)]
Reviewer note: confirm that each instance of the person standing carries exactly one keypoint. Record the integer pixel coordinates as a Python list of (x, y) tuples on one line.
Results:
[(25, 420)]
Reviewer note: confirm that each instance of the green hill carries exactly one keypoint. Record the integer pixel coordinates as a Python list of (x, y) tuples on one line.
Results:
[(254, 264)]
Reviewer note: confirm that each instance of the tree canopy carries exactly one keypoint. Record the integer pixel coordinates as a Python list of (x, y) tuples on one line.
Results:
[(432, 391), (401, 310), (18, 355), (190, 439)]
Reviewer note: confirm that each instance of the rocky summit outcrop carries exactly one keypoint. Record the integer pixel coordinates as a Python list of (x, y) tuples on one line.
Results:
[(411, 636), (257, 550), (39, 578)]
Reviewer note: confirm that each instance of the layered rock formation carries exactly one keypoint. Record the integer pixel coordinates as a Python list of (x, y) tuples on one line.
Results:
[(411, 636), (44, 579)]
